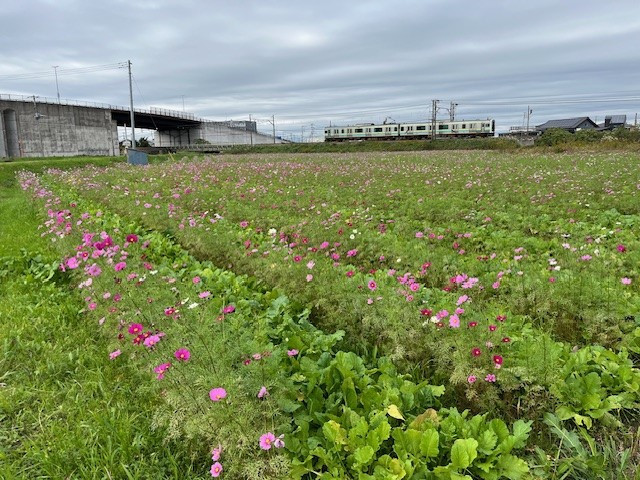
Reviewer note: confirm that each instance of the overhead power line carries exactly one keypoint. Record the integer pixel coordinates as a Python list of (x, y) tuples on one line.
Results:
[(64, 71)]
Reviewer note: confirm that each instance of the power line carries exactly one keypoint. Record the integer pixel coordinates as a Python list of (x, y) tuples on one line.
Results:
[(64, 71)]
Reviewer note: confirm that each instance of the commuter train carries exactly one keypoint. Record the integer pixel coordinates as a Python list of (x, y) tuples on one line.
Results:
[(406, 131)]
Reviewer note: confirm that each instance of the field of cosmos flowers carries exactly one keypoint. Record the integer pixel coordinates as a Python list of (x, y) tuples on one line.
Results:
[(450, 315)]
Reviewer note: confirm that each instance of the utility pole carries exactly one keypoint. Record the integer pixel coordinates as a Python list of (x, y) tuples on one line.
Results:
[(452, 112), (133, 121), (273, 124), (250, 130), (529, 111), (55, 71), (434, 114)]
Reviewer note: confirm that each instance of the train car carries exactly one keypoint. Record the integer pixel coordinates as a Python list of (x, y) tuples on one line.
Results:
[(417, 131)]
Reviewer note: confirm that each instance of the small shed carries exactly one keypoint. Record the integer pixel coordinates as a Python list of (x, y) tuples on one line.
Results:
[(569, 124)]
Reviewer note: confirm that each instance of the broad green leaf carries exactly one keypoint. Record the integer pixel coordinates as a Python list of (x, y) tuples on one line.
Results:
[(429, 443), (463, 452), (512, 467), (521, 431), (499, 428), (487, 442), (363, 455), (334, 432)]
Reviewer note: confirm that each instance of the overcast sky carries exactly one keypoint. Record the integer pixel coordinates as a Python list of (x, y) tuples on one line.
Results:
[(332, 61)]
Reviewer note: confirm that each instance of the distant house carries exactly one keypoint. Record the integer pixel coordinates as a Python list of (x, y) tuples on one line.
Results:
[(569, 124), (612, 122)]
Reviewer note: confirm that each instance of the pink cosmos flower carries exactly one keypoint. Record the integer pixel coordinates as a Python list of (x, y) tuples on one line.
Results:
[(94, 270), (352, 253), (217, 394), (324, 245), (182, 354), (586, 258), (292, 353), (490, 378), (471, 379), (309, 277), (311, 264), (244, 224), (454, 321), (266, 441), (263, 392), (204, 294), (372, 285), (151, 341), (195, 280), (216, 469), (216, 452), (72, 263), (120, 266), (462, 299), (626, 281), (621, 248), (229, 309), (114, 354)]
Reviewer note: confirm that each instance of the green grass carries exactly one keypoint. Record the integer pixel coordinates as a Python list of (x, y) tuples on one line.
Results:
[(66, 411), (380, 146)]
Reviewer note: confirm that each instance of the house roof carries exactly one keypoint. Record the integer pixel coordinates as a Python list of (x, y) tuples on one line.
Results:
[(564, 123), (617, 119)]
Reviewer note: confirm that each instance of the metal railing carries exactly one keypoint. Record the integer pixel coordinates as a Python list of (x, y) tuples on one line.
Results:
[(79, 103)]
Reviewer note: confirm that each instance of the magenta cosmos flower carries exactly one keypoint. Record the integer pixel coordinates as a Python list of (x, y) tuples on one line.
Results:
[(266, 441), (135, 328), (217, 394), (229, 309), (372, 285), (182, 354), (132, 238)]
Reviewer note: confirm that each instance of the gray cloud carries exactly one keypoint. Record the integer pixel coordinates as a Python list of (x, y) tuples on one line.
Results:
[(332, 61)]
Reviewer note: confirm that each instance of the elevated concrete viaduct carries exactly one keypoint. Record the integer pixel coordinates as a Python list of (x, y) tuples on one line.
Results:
[(35, 126)]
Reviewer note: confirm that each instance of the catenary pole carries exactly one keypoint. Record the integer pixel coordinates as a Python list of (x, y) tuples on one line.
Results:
[(133, 122)]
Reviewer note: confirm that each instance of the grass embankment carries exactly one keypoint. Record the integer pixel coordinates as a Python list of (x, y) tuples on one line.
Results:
[(66, 411), (380, 146)]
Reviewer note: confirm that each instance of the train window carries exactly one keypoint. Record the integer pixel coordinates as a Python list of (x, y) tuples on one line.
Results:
[(377, 129), (464, 125), (454, 127), (342, 130), (402, 129), (395, 129), (421, 127), (326, 132), (443, 126), (368, 130), (486, 125), (472, 126), (358, 130)]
